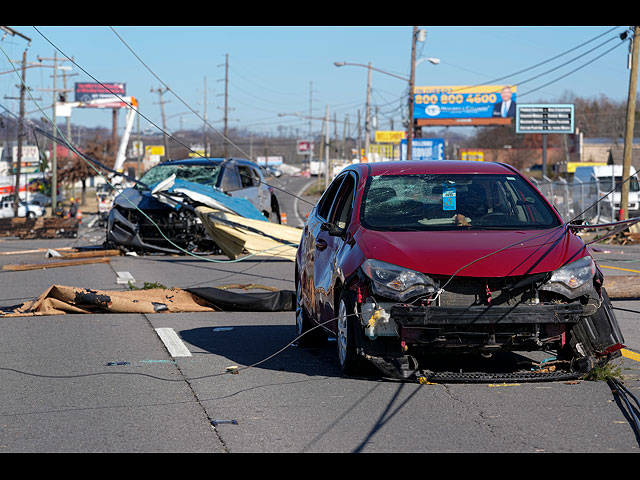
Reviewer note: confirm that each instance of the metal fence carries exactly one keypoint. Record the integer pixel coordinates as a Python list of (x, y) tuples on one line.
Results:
[(577, 200)]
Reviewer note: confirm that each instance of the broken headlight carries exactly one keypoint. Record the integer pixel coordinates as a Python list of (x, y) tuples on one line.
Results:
[(395, 282), (573, 279)]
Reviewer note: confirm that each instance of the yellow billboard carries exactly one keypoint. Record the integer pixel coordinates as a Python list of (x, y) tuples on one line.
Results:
[(154, 150), (389, 136), (478, 156)]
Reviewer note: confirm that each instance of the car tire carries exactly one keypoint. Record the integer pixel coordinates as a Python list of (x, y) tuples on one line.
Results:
[(351, 363), (31, 214), (307, 334)]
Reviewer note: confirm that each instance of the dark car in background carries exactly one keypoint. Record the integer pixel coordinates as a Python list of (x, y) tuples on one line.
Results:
[(406, 263), (136, 209)]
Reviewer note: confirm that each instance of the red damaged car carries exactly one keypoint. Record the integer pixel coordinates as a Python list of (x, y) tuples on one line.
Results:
[(406, 262)]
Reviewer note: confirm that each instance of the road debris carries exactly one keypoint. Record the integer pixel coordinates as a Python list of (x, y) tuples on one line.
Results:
[(42, 227), (60, 300), (55, 264), (235, 235)]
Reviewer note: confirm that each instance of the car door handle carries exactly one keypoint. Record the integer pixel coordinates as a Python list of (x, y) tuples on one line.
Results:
[(321, 244)]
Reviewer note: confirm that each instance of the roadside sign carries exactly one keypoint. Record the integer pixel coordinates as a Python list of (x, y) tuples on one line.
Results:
[(304, 147), (154, 150), (390, 136), (423, 149), (477, 156), (544, 118)]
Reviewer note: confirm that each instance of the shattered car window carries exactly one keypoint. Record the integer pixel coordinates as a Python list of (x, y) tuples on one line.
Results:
[(451, 201), (202, 174)]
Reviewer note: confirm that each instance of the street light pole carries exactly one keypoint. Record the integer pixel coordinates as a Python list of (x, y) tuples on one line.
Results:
[(417, 36)]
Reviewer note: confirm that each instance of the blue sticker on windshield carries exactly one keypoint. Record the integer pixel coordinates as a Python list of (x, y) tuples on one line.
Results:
[(448, 197)]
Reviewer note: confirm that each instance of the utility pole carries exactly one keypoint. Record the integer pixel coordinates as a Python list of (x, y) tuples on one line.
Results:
[(226, 104), (367, 118), (345, 128), (16, 199), (310, 120), (358, 144), (326, 149), (628, 134), (161, 92), (411, 85), (204, 128), (23, 88), (335, 134), (54, 150)]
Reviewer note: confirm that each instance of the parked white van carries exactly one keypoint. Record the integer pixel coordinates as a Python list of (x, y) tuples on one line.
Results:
[(594, 182)]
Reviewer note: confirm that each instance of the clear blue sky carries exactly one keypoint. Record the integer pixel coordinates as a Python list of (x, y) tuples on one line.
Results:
[(276, 70)]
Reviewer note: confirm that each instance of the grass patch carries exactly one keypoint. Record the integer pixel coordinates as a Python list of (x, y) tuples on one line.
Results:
[(147, 286), (604, 372), (317, 188)]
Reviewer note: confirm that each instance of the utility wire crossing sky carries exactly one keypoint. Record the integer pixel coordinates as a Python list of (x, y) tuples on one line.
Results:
[(278, 77)]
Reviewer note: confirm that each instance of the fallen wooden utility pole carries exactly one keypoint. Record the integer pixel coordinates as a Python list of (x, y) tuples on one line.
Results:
[(55, 264), (89, 253), (33, 250), (622, 286)]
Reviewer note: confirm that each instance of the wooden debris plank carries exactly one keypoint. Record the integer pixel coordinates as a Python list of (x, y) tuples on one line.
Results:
[(55, 264)]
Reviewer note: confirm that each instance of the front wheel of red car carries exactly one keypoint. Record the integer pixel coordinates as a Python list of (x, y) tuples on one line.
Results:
[(350, 362)]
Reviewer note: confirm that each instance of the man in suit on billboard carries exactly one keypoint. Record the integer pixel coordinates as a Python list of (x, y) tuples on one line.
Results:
[(507, 107)]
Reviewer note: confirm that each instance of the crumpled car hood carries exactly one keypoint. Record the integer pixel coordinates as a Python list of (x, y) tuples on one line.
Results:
[(446, 252), (131, 198), (200, 194)]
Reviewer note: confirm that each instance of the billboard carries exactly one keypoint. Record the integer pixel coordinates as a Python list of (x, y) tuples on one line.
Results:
[(545, 118), (85, 92), (423, 149), (304, 147), (390, 136), (492, 104)]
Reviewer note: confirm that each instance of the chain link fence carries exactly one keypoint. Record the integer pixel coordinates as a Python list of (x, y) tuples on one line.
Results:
[(579, 200)]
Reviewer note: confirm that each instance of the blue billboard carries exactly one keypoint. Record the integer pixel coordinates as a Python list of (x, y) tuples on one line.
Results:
[(447, 102), (423, 149)]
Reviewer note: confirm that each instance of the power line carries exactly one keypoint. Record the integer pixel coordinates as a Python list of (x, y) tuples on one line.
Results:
[(177, 96), (552, 58), (572, 71)]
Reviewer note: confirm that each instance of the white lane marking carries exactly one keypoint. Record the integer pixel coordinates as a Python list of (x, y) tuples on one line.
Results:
[(125, 277), (173, 343)]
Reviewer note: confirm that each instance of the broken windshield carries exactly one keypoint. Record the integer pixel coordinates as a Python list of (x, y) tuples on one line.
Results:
[(202, 174), (443, 201)]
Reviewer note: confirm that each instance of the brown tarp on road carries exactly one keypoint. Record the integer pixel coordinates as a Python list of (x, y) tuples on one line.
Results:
[(59, 300)]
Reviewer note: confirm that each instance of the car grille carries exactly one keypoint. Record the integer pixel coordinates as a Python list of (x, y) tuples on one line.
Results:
[(466, 291)]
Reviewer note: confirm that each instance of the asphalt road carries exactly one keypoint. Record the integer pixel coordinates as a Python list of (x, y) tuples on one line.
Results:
[(108, 382)]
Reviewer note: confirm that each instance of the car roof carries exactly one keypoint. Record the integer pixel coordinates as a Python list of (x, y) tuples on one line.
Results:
[(207, 161), (436, 166)]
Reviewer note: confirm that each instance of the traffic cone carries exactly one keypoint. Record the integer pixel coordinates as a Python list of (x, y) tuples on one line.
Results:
[(283, 218)]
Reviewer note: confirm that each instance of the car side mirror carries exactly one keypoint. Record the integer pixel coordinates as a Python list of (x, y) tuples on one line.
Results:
[(332, 229)]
